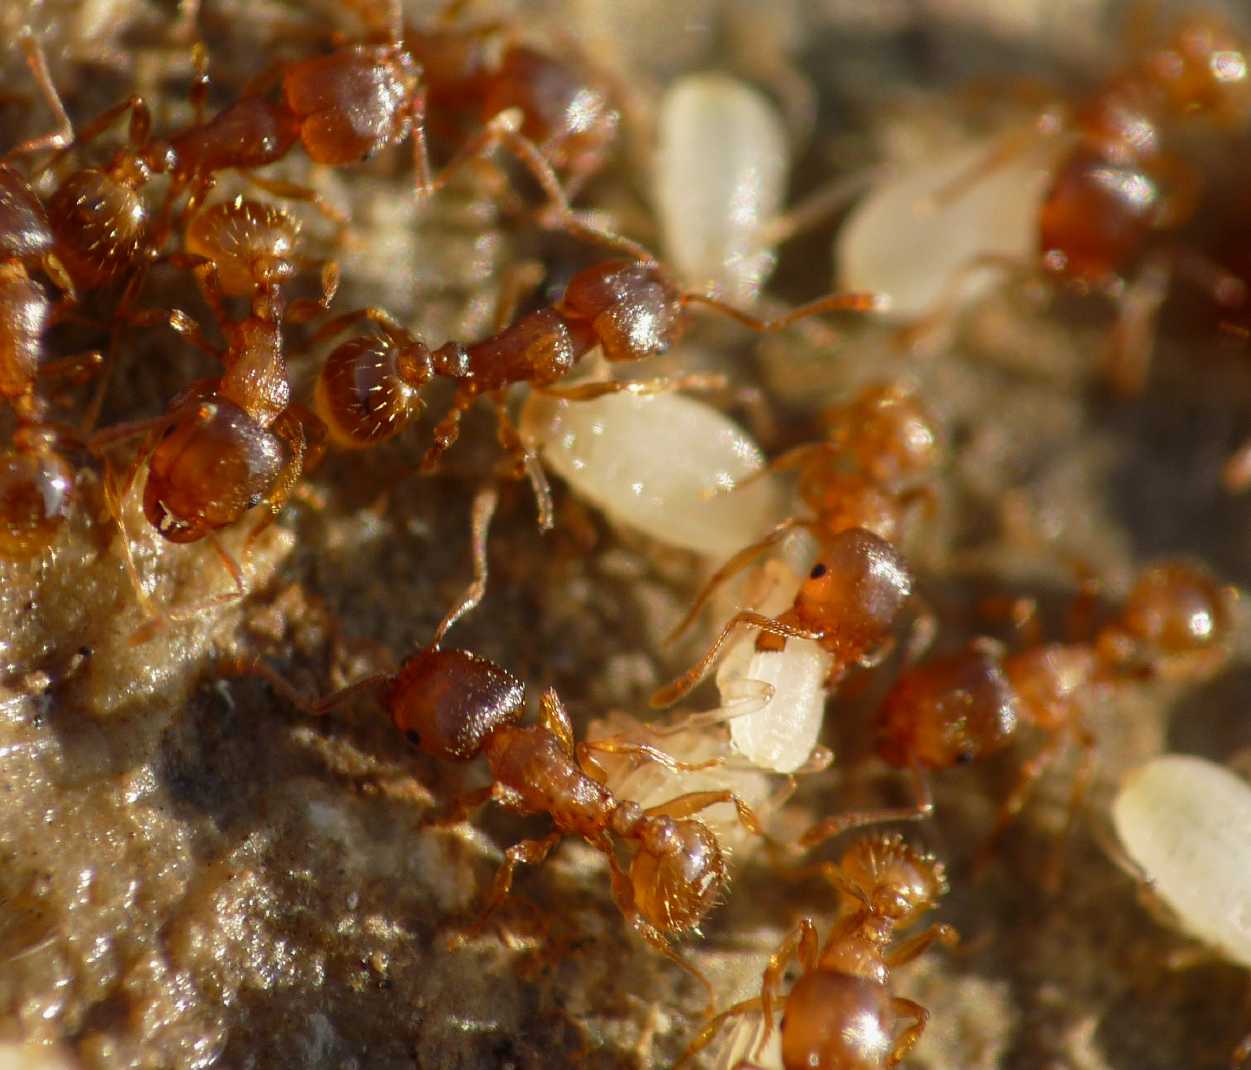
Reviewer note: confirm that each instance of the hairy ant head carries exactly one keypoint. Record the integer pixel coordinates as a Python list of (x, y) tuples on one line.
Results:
[(892, 878), (447, 702)]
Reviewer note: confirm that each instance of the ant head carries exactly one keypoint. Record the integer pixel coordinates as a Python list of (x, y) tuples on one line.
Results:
[(213, 465), (36, 492), (1178, 608), (855, 589), (949, 711), (448, 702), (677, 874), (1203, 68), (893, 880)]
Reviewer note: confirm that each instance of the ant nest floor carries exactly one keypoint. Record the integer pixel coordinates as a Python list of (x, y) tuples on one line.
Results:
[(193, 874)]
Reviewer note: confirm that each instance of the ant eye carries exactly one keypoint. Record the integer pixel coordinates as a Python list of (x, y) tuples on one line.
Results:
[(818, 570), (413, 737), (964, 757)]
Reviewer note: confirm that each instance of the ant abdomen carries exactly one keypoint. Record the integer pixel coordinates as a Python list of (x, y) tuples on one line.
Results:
[(210, 468), (948, 711), (369, 389), (248, 243), (847, 1019), (1178, 608), (24, 312), (676, 885), (353, 103), (36, 492), (100, 225), (24, 230), (448, 702)]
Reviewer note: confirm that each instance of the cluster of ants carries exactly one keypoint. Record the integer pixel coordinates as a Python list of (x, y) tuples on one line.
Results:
[(239, 441)]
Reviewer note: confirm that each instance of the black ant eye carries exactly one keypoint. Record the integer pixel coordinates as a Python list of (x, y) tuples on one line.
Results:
[(964, 757), (818, 570), (413, 736)]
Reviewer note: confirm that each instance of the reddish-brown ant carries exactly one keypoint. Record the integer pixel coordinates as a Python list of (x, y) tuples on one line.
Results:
[(456, 706), (847, 604), (370, 386), (841, 1013), (966, 706)]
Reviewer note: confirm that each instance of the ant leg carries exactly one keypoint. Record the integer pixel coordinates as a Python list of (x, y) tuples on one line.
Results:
[(525, 461), (835, 302), (447, 430), (1127, 356), (840, 823), (1054, 874), (801, 942), (735, 565), (483, 510), (587, 749), (294, 192), (303, 309), (637, 387), (1031, 770), (907, 1008), (96, 127), (63, 135), (176, 320), (670, 693), (694, 801), (915, 946), (380, 316), (713, 1026), (531, 852)]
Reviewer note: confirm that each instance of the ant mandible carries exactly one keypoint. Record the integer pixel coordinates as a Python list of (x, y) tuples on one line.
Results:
[(841, 1014), (455, 705)]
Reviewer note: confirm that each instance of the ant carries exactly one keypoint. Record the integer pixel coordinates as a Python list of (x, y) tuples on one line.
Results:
[(841, 1013), (847, 604), (370, 386), (966, 706), (456, 706), (869, 472)]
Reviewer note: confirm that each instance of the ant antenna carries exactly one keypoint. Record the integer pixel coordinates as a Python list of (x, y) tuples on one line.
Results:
[(484, 504), (838, 302)]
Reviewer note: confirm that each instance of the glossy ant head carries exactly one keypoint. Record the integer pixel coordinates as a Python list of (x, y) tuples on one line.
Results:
[(447, 702), (36, 492), (352, 103), (855, 590), (949, 711), (678, 873), (213, 465), (892, 879)]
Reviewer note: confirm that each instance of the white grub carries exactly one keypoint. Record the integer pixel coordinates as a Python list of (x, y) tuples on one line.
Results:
[(779, 736), (1185, 822), (917, 236), (721, 171), (660, 464)]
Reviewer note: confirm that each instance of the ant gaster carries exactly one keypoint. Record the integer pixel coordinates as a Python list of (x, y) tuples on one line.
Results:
[(457, 706), (841, 1014)]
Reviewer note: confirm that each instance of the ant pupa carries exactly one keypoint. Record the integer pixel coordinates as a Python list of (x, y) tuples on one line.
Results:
[(842, 1012), (370, 387), (1182, 821), (454, 705)]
